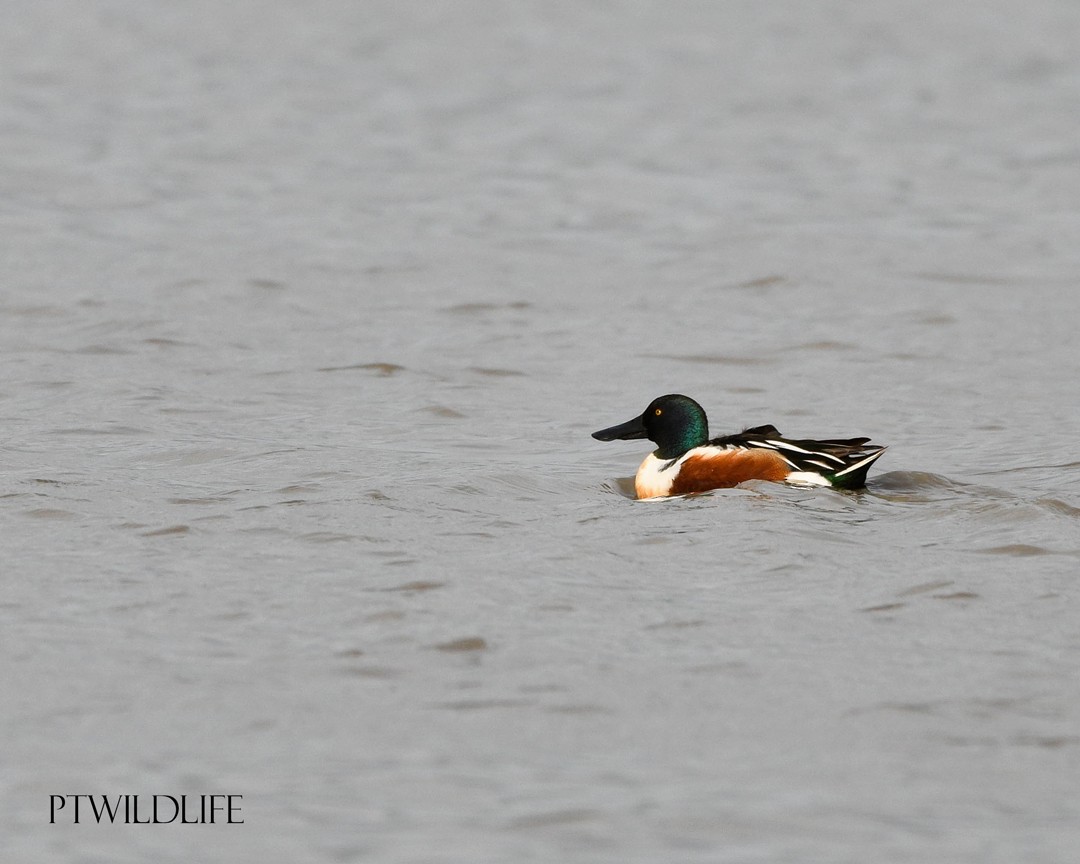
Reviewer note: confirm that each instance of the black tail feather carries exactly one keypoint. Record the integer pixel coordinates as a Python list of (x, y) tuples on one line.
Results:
[(854, 476)]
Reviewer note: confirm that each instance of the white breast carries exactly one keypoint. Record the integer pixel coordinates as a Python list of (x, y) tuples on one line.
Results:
[(655, 476), (650, 481)]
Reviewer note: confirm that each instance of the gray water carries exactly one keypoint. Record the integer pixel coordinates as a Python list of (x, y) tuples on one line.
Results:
[(307, 312)]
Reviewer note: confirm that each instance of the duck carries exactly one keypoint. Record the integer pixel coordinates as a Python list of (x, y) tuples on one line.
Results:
[(687, 461)]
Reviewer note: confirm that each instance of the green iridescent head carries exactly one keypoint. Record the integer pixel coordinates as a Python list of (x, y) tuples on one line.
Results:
[(675, 423)]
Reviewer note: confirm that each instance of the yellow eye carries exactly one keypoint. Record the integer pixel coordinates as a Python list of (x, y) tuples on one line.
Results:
[(658, 412)]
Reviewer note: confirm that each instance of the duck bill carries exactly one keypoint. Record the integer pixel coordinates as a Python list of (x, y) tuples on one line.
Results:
[(630, 429)]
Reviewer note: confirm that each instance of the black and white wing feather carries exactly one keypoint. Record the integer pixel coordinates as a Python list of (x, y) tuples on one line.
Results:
[(842, 462)]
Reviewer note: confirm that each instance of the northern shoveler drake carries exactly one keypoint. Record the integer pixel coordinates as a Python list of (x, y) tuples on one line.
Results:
[(686, 460)]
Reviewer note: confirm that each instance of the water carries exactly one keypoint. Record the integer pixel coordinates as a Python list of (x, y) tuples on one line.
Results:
[(307, 315)]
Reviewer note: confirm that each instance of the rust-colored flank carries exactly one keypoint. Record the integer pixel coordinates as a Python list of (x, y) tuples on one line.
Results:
[(728, 468)]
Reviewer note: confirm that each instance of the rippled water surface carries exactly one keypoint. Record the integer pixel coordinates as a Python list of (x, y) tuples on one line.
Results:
[(307, 313)]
